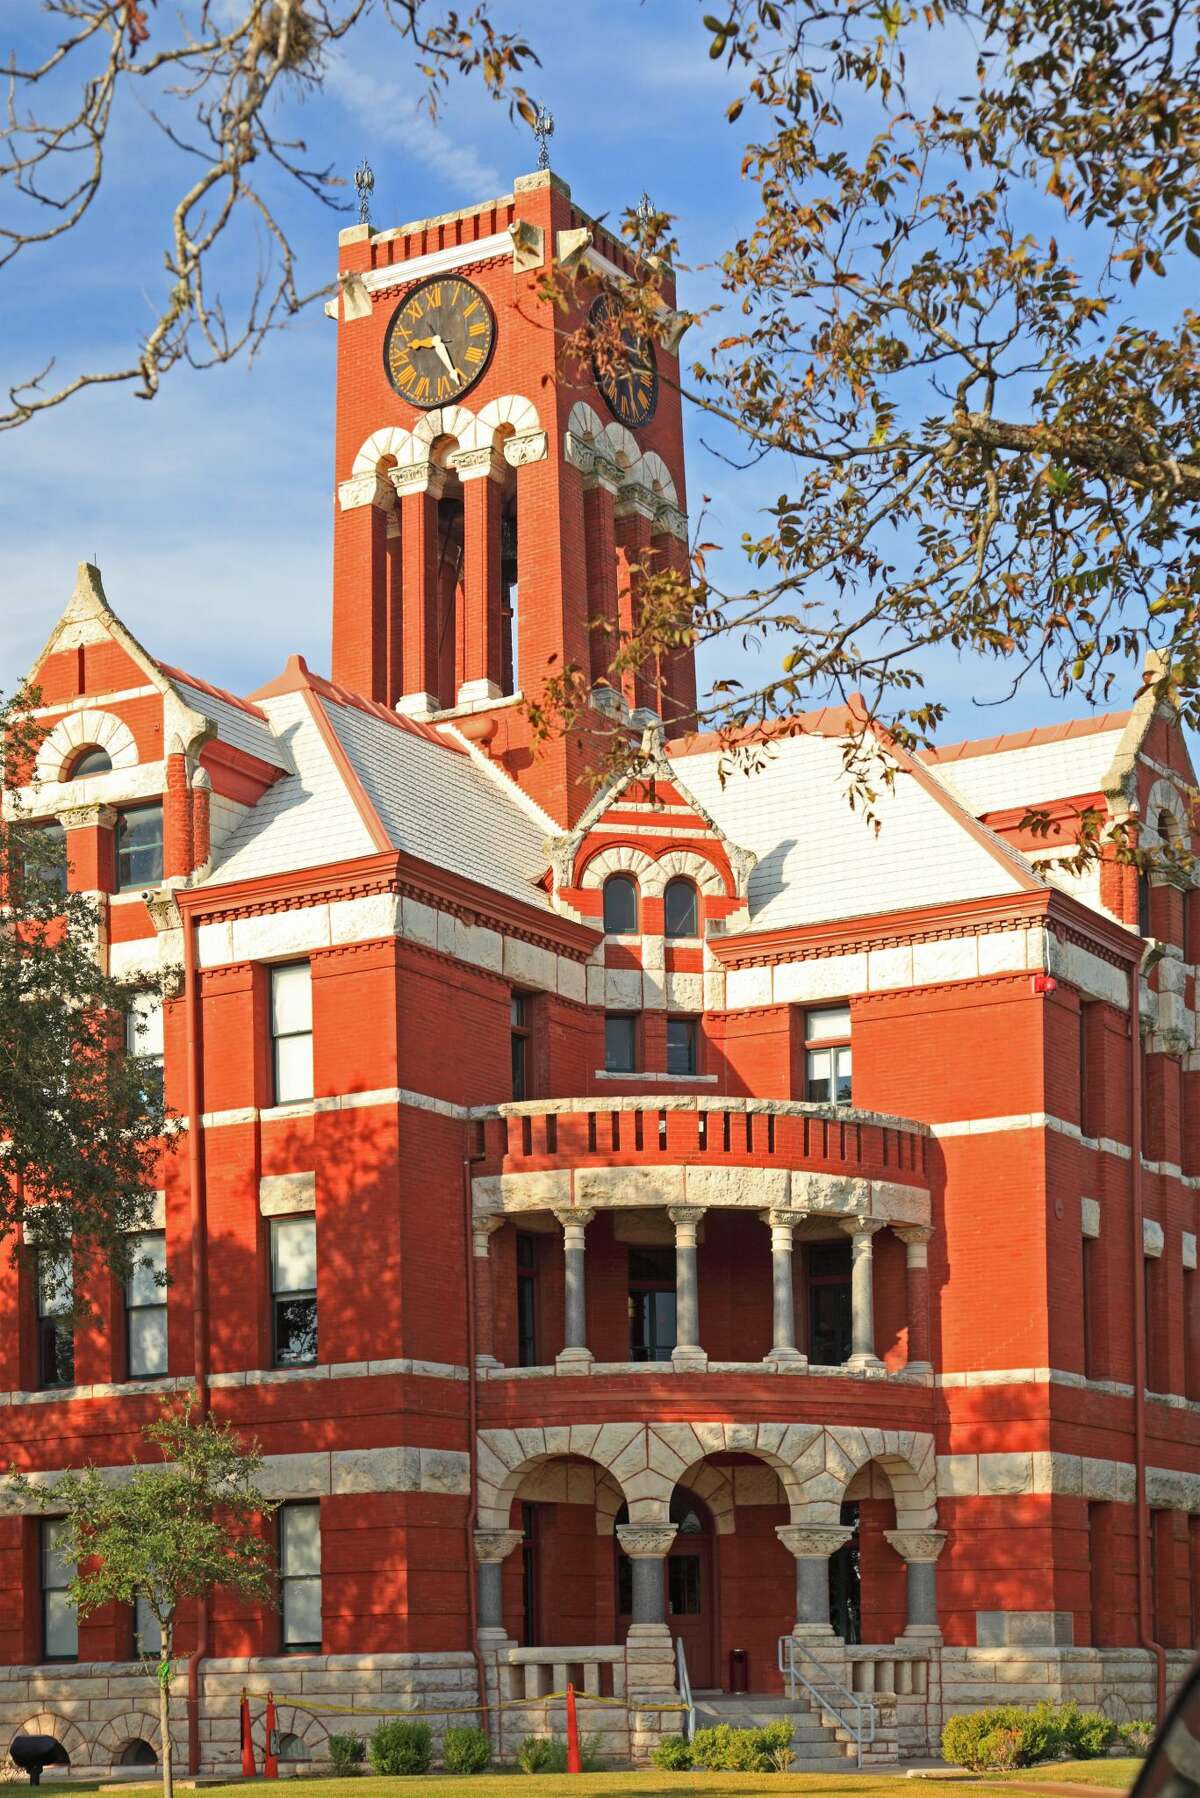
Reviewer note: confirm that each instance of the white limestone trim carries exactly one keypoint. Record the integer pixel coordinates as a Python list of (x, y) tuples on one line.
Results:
[(437, 262), (281, 1195), (1042, 1473), (1164, 796), (668, 1369), (1058, 1376), (651, 1077), (384, 1095), (841, 1114), (1153, 1239), (652, 874), (657, 1185), (338, 1370), (92, 701), (1189, 1250), (815, 1464), (323, 1474), (79, 730), (46, 798), (1089, 1218)]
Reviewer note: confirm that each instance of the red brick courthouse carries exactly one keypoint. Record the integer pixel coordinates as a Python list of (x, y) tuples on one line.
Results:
[(663, 1217)]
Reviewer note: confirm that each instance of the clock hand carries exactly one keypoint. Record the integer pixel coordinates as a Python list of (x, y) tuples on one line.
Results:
[(421, 343), (444, 357)]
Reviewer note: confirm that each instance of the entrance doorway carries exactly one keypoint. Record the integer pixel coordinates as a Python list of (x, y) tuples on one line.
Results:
[(690, 1597), (845, 1582)]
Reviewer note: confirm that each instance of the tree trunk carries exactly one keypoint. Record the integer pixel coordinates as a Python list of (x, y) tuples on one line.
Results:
[(164, 1713)]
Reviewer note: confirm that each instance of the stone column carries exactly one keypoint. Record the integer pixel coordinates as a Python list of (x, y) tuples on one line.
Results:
[(862, 1294), (812, 1544), (915, 1238), (576, 1356), (419, 488), (687, 1355), (647, 1544), (483, 1229), (492, 1549), (784, 1353), (920, 1549)]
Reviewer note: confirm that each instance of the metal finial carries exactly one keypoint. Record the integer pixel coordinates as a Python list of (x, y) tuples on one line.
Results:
[(543, 130), (645, 210), (364, 181)]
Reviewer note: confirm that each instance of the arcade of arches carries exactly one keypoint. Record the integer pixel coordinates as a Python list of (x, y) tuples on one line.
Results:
[(721, 1570)]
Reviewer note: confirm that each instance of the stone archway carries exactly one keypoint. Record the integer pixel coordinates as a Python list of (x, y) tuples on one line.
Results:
[(117, 1734), (71, 1738)]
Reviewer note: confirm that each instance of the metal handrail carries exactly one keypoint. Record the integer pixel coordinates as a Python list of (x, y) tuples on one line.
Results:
[(861, 1726), (685, 1690)]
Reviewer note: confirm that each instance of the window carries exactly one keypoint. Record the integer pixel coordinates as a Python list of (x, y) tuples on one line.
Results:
[(56, 1327), (827, 1056), (300, 1577), (620, 906), (291, 1031), (294, 1290), (146, 1307), (147, 1636), (680, 909), (1149, 1292), (620, 1042), (682, 1041), (139, 847), (60, 1624), (144, 1038), (651, 1304), (1083, 1068), (527, 1267), (45, 858), (90, 761), (829, 1303), (519, 1025)]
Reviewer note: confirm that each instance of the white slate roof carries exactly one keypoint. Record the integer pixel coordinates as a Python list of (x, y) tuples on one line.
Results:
[(235, 725), (435, 802), (818, 860), (306, 819), (1030, 776)]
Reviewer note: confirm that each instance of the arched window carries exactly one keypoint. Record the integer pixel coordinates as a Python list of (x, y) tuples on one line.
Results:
[(291, 1747), (90, 761), (679, 909), (620, 906), (137, 1753)]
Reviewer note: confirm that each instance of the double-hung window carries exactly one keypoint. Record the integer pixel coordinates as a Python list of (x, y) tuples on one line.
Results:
[(620, 1042), (56, 1324), (300, 1577), (144, 1039), (292, 1032), (146, 1307), (294, 1290), (527, 1288), (519, 1031), (651, 1304), (139, 847), (60, 1622), (683, 1038), (827, 1056)]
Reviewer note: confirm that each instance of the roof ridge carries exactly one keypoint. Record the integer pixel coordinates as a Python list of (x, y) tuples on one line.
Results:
[(1009, 742), (298, 677), (214, 692), (825, 721)]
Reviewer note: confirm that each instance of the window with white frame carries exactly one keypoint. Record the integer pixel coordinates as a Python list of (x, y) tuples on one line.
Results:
[(144, 1039), (294, 1290), (300, 1577), (60, 1621), (146, 1306), (291, 1032), (827, 1064), (56, 1321)]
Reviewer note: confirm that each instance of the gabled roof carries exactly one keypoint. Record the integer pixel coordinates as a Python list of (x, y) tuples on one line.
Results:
[(1031, 768), (818, 859), (366, 780), (239, 722)]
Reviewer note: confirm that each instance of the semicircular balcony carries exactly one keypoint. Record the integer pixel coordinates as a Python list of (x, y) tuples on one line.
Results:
[(681, 1187)]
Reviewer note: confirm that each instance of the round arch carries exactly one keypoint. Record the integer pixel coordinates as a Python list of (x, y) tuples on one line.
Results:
[(289, 1721), (85, 730), (1163, 799), (117, 1734), (389, 442), (48, 1723), (620, 1450)]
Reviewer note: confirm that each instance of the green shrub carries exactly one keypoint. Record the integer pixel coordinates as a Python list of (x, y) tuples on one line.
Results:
[(1136, 1734), (1013, 1735), (548, 1754), (398, 1746), (347, 1754), (465, 1749), (674, 1755), (963, 1738), (1002, 1749), (1090, 1735), (724, 1749), (533, 1754)]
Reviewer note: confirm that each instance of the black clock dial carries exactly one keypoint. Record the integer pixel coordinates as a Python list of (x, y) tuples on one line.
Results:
[(439, 341), (629, 386)]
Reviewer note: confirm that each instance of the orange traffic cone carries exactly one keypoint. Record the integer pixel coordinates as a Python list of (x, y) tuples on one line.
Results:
[(249, 1769), (573, 1762), (270, 1756)]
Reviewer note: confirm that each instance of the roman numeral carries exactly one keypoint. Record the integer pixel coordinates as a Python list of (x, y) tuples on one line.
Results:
[(479, 330), (473, 353), (406, 376), (422, 388), (435, 296), (468, 310), (444, 388)]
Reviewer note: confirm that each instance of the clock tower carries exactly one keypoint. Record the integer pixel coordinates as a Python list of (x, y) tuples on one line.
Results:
[(490, 508)]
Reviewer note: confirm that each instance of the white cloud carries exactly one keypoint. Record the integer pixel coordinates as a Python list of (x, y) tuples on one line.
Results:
[(387, 114)]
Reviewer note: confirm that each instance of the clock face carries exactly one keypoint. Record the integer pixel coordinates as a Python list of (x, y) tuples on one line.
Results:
[(439, 342), (630, 387)]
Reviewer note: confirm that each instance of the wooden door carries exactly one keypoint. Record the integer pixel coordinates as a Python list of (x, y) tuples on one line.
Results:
[(690, 1597)]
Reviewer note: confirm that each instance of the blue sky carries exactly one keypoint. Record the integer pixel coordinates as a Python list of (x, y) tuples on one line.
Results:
[(209, 509)]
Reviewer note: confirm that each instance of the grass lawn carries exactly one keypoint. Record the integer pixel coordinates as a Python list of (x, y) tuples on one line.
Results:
[(1115, 1774)]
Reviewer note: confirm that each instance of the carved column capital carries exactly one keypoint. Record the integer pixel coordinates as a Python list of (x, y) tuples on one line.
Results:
[(525, 447), (371, 489), (917, 1545), (479, 464), (572, 1217), (643, 1541), (861, 1226), (687, 1220), (813, 1541), (484, 1228), (88, 817), (420, 477), (494, 1546)]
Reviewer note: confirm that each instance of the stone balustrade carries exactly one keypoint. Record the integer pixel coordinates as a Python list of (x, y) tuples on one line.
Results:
[(887, 1671), (597, 1672)]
